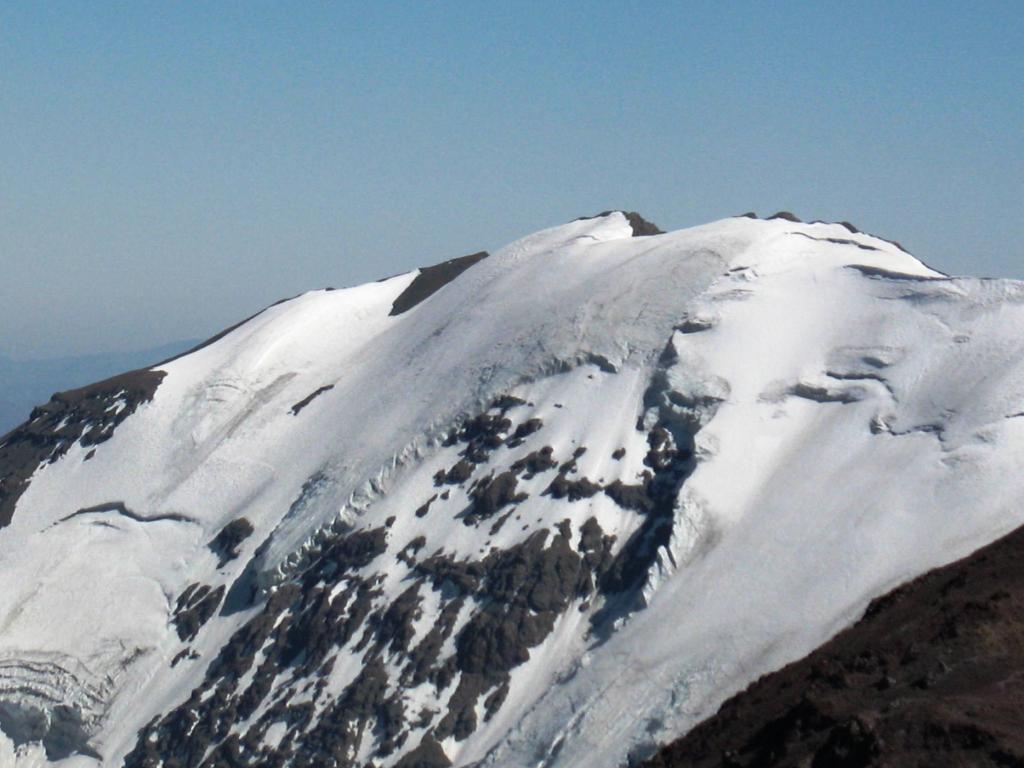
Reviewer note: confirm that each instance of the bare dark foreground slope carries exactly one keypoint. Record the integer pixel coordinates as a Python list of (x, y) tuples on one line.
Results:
[(932, 676)]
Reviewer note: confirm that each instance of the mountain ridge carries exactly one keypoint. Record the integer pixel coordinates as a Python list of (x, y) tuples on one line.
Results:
[(26, 383)]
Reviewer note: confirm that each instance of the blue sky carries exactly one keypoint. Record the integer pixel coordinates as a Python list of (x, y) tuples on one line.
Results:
[(168, 168)]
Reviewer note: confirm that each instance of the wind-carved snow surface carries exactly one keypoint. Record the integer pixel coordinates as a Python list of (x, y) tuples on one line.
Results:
[(553, 515)]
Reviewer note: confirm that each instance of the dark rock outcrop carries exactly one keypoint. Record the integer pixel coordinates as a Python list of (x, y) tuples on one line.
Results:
[(225, 544), (194, 608), (641, 227), (87, 416), (432, 279), (297, 408), (492, 494)]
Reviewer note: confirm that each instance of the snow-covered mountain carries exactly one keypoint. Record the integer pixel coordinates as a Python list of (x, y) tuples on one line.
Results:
[(545, 507)]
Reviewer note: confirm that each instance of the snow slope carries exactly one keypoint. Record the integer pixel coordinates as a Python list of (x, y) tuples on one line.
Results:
[(819, 415)]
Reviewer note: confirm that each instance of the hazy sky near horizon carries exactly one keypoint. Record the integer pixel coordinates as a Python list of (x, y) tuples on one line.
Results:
[(169, 168)]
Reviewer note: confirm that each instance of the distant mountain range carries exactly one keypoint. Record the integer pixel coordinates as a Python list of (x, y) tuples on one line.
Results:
[(25, 384)]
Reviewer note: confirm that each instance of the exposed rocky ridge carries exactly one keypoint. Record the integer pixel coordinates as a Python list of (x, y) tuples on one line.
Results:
[(432, 279), (24, 384), (787, 216), (87, 416), (641, 226), (931, 676)]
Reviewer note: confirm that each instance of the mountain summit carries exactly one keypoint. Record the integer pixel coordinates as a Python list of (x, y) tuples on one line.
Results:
[(549, 506)]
